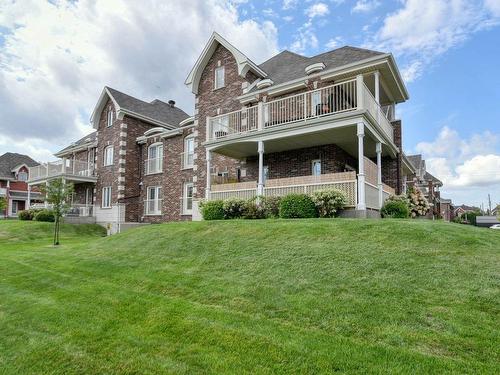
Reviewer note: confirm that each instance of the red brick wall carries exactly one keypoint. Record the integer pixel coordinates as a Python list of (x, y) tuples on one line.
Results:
[(392, 172)]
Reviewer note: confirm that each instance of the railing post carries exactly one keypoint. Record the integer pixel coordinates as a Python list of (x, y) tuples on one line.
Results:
[(260, 116), (359, 91), (209, 176), (305, 106), (361, 167), (260, 186), (378, 149)]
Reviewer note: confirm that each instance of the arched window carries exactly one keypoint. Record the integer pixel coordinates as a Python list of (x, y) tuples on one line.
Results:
[(108, 156), (154, 162), (111, 116)]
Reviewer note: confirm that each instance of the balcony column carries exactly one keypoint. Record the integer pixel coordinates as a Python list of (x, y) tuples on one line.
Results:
[(29, 198), (63, 170), (376, 76), (361, 167), (46, 204), (260, 116), (209, 175), (260, 186), (378, 149), (359, 91)]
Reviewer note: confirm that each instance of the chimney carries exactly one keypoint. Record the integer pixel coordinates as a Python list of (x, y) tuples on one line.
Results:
[(171, 103)]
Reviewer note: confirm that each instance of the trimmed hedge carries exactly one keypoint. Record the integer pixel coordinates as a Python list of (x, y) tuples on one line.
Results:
[(234, 208), (329, 202), (395, 209), (271, 206), (45, 215), (25, 215), (254, 210), (212, 210), (295, 206)]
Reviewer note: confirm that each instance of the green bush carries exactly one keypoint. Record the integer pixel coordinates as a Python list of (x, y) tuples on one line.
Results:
[(329, 202), (25, 215), (212, 210), (254, 210), (45, 215), (297, 206), (396, 209), (234, 208), (271, 206)]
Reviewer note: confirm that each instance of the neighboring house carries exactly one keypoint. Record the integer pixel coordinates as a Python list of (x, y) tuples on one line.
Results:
[(291, 124), (463, 209), (430, 187), (14, 174), (496, 211)]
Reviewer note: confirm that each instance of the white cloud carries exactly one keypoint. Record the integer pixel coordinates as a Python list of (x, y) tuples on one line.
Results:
[(288, 18), (57, 57), (289, 4), (468, 167), (421, 30), (412, 71), (317, 10), (334, 42), (365, 6)]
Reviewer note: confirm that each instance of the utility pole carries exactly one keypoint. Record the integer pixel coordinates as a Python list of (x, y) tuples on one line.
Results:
[(489, 204)]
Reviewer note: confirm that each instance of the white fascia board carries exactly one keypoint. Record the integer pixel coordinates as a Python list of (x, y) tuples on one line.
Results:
[(186, 121), (83, 147), (130, 113), (96, 114)]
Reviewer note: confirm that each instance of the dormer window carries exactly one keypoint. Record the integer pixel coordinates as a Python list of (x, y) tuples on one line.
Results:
[(219, 77), (22, 176), (111, 117)]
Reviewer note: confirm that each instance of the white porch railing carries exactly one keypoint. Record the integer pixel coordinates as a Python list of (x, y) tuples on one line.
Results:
[(152, 166), (152, 206), (68, 167), (187, 160), (75, 209), (325, 101), (3, 191)]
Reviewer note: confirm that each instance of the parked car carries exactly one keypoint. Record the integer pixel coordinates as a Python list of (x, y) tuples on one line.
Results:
[(496, 226)]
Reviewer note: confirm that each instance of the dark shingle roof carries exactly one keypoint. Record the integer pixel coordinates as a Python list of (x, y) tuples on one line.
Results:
[(287, 66), (10, 160), (156, 110), (84, 140), (416, 160), (429, 177)]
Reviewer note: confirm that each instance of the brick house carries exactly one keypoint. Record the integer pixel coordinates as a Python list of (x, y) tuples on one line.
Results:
[(14, 174), (290, 124)]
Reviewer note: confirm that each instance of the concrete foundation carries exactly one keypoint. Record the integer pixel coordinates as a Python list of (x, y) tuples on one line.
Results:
[(360, 214)]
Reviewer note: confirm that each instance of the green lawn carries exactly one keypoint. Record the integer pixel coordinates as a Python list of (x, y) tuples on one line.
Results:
[(304, 296)]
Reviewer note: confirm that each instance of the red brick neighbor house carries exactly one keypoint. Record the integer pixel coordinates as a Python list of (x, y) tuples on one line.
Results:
[(290, 124), (14, 174)]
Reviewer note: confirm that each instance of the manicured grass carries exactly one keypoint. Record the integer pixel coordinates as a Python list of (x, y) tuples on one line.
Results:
[(303, 296)]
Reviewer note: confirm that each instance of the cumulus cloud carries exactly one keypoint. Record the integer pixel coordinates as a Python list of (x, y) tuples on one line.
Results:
[(334, 42), (421, 30), (57, 56), (317, 10), (365, 6)]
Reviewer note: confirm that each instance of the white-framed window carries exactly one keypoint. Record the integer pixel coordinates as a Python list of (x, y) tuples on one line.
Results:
[(22, 176), (14, 207), (219, 77), (154, 163), (316, 167), (187, 199), (111, 117), (108, 155), (106, 197), (188, 159), (153, 201)]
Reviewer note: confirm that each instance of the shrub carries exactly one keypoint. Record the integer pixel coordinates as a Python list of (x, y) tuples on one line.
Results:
[(271, 206), (419, 206), (253, 210), (45, 215), (395, 208), (297, 206), (25, 215), (212, 210), (328, 202), (234, 208)]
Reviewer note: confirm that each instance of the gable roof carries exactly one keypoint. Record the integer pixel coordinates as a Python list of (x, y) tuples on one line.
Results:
[(295, 64), (11, 160), (429, 177), (157, 112), (243, 63), (81, 143)]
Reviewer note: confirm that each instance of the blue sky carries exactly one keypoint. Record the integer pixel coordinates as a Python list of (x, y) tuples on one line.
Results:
[(56, 57)]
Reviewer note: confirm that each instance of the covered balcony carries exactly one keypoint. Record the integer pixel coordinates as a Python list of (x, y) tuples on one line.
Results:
[(69, 169)]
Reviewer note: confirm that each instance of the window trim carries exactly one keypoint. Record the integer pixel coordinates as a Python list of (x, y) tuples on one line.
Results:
[(103, 198), (24, 173), (219, 68), (105, 158), (158, 190), (110, 117), (312, 167), (185, 198), (185, 164), (159, 155)]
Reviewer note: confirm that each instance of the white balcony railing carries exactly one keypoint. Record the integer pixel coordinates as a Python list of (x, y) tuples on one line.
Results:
[(3, 192), (68, 167), (187, 160), (152, 207), (335, 99), (154, 165)]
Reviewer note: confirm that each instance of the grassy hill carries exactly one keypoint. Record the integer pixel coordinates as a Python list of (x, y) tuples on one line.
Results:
[(304, 296)]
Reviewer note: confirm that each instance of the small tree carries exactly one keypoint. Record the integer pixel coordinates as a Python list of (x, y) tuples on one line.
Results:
[(3, 205), (58, 193)]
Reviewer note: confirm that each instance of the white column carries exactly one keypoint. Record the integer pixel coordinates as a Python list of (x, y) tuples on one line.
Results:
[(359, 91), (260, 116), (377, 92), (379, 174), (29, 198), (45, 198), (260, 186), (209, 175), (361, 167)]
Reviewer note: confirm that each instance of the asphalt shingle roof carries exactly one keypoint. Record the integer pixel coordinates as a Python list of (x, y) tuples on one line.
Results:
[(87, 139), (287, 66), (416, 160), (435, 180), (10, 160), (156, 110)]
